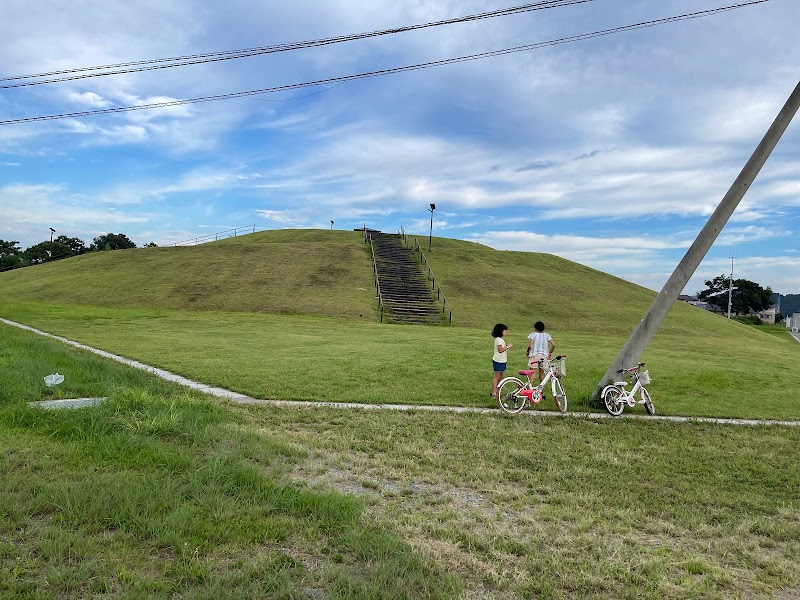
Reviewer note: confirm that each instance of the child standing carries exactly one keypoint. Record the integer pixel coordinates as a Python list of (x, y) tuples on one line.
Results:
[(540, 346), (500, 358)]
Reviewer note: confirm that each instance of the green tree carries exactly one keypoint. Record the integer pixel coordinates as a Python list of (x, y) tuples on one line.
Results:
[(111, 241), (790, 303), (75, 244), (45, 252), (10, 255), (747, 296)]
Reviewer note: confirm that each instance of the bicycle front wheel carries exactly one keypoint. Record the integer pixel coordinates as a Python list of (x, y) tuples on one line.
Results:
[(612, 400), (559, 395), (648, 402), (508, 397)]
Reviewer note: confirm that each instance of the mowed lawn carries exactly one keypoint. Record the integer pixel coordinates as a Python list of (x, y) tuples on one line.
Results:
[(163, 493), (735, 371), (159, 492)]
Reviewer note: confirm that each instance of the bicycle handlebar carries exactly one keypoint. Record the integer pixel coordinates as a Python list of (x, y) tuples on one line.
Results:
[(632, 369), (559, 357)]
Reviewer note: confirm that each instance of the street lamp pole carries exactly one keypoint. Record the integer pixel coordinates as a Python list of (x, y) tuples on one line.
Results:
[(430, 237), (331, 225), (52, 231), (730, 290)]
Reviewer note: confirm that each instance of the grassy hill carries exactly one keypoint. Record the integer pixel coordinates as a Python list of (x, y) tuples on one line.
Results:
[(328, 273), (292, 314), (307, 272)]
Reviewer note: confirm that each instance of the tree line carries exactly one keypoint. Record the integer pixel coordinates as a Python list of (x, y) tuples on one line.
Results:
[(12, 256), (790, 303)]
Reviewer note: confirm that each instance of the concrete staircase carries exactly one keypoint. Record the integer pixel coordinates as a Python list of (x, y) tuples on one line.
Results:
[(405, 290)]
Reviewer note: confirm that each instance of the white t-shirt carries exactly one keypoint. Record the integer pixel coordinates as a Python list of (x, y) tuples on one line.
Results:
[(500, 356), (540, 343)]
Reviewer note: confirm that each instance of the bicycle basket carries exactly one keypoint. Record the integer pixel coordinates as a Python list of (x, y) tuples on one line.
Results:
[(644, 377), (560, 368)]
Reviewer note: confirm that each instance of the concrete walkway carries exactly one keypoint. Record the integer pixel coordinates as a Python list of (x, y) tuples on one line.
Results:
[(244, 399)]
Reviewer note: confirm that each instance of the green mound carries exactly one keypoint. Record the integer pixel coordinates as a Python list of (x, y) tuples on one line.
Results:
[(306, 272), (227, 313), (328, 273)]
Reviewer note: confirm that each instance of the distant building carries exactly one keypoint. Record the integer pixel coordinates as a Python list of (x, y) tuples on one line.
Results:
[(700, 303), (767, 316)]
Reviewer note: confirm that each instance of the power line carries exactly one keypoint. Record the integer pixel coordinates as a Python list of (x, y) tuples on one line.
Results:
[(181, 61), (300, 97), (437, 63)]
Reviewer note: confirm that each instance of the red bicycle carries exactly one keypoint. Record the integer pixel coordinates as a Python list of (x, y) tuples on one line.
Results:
[(513, 394)]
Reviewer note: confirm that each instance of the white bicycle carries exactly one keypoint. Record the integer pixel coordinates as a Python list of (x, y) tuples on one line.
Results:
[(616, 396), (513, 394)]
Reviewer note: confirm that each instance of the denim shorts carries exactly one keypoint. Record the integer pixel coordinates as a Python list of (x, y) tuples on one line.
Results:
[(498, 366)]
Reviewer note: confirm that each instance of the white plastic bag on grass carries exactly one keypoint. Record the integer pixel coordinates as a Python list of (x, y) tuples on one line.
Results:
[(53, 379)]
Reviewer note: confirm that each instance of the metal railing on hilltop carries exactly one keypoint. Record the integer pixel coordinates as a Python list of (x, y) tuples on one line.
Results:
[(213, 237)]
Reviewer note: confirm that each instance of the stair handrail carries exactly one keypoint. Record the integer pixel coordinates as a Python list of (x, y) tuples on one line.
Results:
[(404, 236), (435, 286), (368, 238)]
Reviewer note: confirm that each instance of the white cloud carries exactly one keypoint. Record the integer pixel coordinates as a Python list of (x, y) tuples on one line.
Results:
[(583, 249), (88, 99), (28, 211), (294, 218), (742, 114), (750, 233)]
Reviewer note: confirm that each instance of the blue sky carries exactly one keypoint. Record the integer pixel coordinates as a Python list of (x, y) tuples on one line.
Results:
[(611, 152)]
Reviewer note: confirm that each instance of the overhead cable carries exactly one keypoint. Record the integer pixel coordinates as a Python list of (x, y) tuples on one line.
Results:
[(181, 61), (437, 63)]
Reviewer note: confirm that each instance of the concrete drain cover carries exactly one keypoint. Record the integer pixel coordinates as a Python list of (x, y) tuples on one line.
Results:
[(70, 403)]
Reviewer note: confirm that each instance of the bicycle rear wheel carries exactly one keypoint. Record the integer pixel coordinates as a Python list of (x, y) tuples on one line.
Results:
[(508, 397), (648, 402), (559, 395), (612, 400)]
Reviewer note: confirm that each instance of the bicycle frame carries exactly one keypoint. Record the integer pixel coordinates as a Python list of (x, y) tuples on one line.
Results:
[(519, 393), (630, 397), (537, 391), (616, 395)]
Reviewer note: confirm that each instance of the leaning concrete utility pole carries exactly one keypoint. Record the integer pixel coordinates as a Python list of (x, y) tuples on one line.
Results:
[(652, 319)]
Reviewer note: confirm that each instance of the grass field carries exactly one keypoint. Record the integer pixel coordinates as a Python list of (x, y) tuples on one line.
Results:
[(159, 492), (249, 313), (162, 493), (344, 360)]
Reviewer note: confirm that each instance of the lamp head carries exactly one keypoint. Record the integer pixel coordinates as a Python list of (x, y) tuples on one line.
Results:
[(433, 206)]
